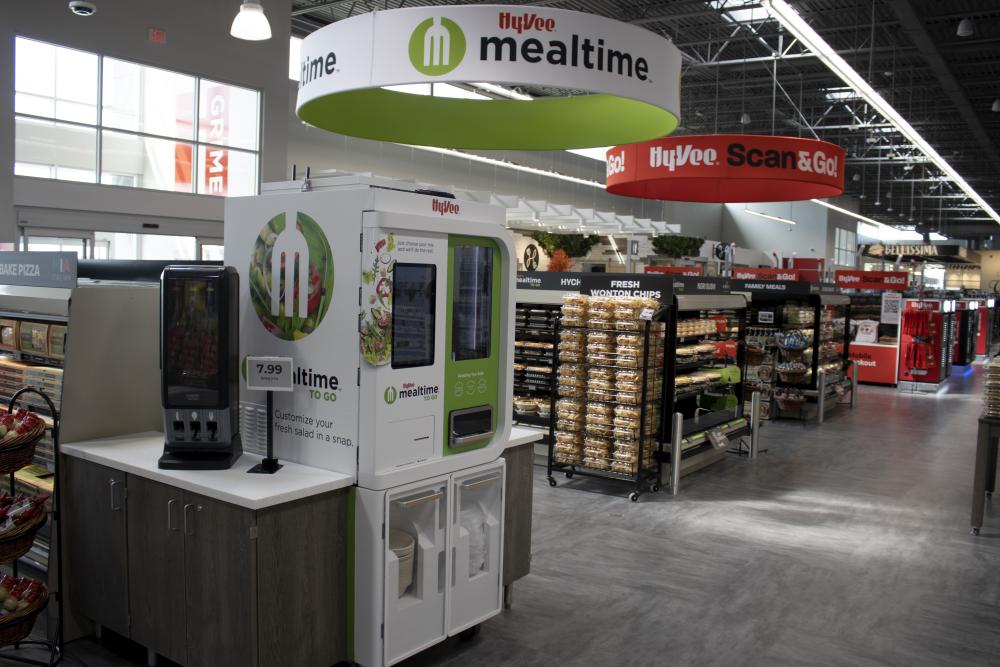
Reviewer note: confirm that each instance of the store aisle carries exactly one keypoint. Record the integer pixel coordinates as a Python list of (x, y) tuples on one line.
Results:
[(846, 544)]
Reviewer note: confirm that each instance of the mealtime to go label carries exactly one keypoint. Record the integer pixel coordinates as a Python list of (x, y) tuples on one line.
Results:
[(269, 373)]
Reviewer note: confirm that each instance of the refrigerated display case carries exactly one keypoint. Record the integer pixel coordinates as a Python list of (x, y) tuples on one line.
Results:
[(984, 338)]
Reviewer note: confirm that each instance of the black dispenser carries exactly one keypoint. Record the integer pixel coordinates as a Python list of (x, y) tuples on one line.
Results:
[(199, 367)]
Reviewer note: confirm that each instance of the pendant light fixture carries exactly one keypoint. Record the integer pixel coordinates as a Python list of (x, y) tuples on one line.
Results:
[(996, 106), (966, 28), (250, 23)]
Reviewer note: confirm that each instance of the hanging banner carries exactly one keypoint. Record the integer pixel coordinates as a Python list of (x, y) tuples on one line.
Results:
[(762, 273), (727, 168), (677, 270), (622, 81), (878, 280)]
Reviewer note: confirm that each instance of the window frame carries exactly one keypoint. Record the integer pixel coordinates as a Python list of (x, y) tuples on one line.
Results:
[(99, 126)]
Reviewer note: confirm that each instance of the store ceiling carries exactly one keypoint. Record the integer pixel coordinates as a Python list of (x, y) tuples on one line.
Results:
[(943, 84)]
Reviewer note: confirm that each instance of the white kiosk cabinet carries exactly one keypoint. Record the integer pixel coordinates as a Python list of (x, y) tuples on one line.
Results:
[(456, 564), (397, 307)]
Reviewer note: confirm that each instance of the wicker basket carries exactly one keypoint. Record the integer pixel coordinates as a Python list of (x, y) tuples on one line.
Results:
[(16, 626), (17, 541), (18, 452), (756, 357), (790, 404), (793, 377)]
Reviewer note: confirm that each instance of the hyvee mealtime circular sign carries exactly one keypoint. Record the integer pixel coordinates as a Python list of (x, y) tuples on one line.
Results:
[(629, 77)]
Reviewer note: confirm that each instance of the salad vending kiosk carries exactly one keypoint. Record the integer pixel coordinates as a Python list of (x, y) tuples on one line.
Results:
[(396, 306)]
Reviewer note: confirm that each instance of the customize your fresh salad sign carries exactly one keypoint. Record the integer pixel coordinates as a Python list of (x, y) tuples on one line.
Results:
[(298, 299)]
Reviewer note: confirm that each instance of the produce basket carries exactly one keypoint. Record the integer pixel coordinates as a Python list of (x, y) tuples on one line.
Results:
[(17, 541), (793, 377), (792, 354), (756, 356), (18, 449), (17, 625)]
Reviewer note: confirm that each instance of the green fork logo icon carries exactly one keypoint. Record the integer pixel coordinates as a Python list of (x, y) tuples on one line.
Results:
[(437, 46)]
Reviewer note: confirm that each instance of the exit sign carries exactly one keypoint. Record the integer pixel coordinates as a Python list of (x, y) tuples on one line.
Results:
[(157, 36)]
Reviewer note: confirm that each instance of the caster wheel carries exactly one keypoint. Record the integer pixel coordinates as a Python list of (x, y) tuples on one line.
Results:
[(634, 497), (655, 488), (552, 482), (569, 475), (469, 634), (975, 531)]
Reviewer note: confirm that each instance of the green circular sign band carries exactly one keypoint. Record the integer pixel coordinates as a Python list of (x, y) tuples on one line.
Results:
[(629, 75), (543, 124)]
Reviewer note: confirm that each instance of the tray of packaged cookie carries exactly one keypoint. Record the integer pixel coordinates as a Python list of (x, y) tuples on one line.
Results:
[(534, 363), (706, 366), (609, 376)]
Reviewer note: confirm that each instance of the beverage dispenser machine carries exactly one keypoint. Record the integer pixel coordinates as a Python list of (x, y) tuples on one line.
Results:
[(397, 308), (199, 343)]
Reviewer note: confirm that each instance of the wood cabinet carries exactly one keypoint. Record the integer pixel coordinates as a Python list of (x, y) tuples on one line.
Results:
[(518, 495), (96, 543), (204, 582)]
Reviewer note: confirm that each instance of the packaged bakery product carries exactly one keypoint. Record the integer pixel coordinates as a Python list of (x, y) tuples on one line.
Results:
[(596, 441), (600, 338), (600, 323), (572, 356), (600, 431), (569, 438), (572, 381), (596, 453), (576, 298), (600, 373), (566, 370), (600, 409), (570, 391), (573, 321), (628, 360), (627, 375), (567, 458), (629, 340), (596, 463), (574, 310), (600, 385), (525, 405), (629, 397), (628, 411), (570, 425), (604, 395)]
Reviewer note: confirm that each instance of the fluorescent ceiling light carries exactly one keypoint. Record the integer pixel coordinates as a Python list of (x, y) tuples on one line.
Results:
[(883, 233), (507, 165), (593, 153), (809, 38), (769, 216), (502, 91), (250, 23), (857, 216)]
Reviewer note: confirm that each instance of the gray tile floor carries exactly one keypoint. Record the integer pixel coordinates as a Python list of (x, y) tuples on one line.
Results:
[(846, 544)]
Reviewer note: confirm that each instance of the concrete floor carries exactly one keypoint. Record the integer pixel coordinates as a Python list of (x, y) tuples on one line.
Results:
[(846, 544)]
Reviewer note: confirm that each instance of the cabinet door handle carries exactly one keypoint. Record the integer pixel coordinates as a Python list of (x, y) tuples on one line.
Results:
[(171, 525), (115, 505), (188, 523)]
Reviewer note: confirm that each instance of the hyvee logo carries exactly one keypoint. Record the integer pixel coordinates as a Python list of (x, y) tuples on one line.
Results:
[(410, 390), (445, 207), (291, 275), (526, 22), (679, 156), (437, 46)]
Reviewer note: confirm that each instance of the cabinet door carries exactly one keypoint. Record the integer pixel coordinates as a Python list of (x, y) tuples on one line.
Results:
[(94, 505), (476, 540), (220, 567), (156, 569)]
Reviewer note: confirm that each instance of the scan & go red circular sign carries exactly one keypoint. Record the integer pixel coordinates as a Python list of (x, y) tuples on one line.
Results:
[(727, 168)]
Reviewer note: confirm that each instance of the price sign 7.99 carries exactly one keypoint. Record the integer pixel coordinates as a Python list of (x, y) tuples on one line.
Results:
[(269, 373)]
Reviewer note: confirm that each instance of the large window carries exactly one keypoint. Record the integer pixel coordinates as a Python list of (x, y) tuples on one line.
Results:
[(845, 246), (84, 117)]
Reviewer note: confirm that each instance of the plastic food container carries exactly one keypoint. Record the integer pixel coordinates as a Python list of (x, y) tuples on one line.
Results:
[(572, 370), (575, 298), (574, 310), (571, 356), (402, 544), (568, 438), (570, 391), (569, 425), (596, 463), (627, 411), (596, 441), (525, 406), (600, 322), (600, 409), (628, 376), (629, 397), (601, 373), (572, 321), (568, 458), (629, 340)]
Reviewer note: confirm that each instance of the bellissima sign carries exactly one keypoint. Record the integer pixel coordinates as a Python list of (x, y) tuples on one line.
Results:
[(634, 75), (727, 168)]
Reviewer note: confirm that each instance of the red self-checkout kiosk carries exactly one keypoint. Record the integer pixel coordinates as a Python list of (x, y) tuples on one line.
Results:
[(985, 337), (926, 341), (966, 332)]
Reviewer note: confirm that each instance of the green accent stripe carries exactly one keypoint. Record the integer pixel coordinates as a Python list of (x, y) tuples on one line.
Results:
[(351, 543), (554, 123)]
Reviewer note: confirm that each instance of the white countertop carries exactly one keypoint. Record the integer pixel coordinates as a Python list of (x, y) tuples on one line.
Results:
[(138, 454)]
